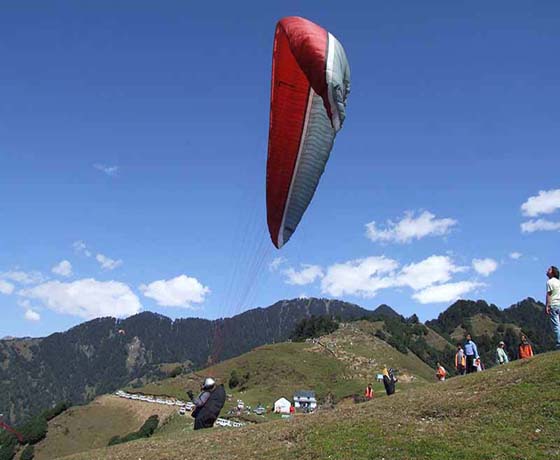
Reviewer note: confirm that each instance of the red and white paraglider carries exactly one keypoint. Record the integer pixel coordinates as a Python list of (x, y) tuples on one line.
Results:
[(310, 84)]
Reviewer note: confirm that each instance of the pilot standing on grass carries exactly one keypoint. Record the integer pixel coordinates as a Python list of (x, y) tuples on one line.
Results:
[(553, 301), (208, 404), (471, 353)]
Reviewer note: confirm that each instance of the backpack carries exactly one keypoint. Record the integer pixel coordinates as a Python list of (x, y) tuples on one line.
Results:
[(210, 411)]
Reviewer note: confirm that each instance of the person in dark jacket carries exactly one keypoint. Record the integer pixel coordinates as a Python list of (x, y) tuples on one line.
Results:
[(389, 381), (208, 404), (471, 354)]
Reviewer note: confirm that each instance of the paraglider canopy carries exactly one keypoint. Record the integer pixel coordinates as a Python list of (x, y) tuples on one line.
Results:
[(310, 84), (9, 429)]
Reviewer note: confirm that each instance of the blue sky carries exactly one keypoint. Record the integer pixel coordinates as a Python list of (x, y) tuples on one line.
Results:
[(133, 141)]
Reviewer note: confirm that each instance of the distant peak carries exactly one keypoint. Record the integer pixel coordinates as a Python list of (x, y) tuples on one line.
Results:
[(386, 310)]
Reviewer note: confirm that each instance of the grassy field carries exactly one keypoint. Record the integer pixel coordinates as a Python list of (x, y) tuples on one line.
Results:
[(81, 428), (508, 412), (338, 367)]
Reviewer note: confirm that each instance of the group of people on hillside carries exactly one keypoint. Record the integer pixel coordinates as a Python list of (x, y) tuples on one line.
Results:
[(467, 359), (389, 382), (524, 350)]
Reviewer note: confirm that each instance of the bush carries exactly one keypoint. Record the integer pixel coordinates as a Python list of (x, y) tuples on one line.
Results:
[(149, 426), (49, 414), (233, 379), (380, 334), (114, 440), (176, 371), (7, 452), (34, 430), (145, 431), (315, 326), (8, 443), (28, 453), (399, 345)]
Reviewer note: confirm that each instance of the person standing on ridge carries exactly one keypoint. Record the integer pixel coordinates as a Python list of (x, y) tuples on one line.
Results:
[(553, 301), (389, 381), (208, 404), (501, 355), (369, 392), (471, 353), (460, 360), (525, 350)]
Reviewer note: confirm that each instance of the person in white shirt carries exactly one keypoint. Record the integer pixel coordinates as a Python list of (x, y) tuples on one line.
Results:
[(501, 355), (553, 300)]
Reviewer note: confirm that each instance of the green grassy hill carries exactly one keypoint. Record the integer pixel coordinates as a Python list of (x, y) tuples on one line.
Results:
[(91, 426), (480, 325), (508, 412), (336, 366)]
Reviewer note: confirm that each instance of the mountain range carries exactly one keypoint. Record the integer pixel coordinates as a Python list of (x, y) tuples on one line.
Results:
[(104, 354)]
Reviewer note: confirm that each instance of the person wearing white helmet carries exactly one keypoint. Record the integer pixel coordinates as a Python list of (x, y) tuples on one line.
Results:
[(501, 355), (208, 403)]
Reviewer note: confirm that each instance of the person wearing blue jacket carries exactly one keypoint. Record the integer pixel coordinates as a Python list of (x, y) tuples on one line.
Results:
[(471, 353)]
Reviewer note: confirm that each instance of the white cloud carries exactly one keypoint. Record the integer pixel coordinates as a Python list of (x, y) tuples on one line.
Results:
[(410, 228), (539, 225), (111, 171), (307, 275), (81, 248), (434, 269), (445, 292), (515, 255), (431, 279), (107, 263), (276, 262), (362, 277), (32, 315), (303, 296), (86, 298), (22, 277), (6, 288), (63, 268), (182, 291), (546, 202), (484, 267)]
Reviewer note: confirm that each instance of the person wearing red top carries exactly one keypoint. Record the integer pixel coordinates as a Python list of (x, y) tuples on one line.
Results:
[(525, 349), (369, 392), (440, 372)]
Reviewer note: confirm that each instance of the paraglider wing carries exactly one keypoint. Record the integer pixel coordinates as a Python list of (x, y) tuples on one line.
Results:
[(11, 430), (310, 84)]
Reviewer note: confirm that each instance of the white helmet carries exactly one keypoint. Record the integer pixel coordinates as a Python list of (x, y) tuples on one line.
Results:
[(208, 384)]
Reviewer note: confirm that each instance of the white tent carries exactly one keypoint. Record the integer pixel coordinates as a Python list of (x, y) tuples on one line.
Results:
[(282, 406)]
